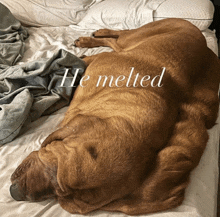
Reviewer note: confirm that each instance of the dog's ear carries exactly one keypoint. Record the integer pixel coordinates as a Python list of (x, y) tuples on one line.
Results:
[(59, 134)]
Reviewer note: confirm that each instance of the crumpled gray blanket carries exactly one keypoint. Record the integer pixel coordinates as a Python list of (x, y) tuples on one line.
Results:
[(33, 89)]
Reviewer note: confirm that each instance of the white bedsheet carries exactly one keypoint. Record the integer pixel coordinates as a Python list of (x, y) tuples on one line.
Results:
[(201, 197)]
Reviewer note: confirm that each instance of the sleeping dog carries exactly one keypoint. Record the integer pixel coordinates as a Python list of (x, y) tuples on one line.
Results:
[(129, 147)]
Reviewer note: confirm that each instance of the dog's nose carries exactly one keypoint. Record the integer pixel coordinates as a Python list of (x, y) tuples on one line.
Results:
[(16, 193)]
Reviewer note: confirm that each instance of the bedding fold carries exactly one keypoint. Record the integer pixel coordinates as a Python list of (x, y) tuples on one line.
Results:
[(12, 37), (34, 89)]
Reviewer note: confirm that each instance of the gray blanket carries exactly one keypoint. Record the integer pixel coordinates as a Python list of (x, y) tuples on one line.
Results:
[(33, 89)]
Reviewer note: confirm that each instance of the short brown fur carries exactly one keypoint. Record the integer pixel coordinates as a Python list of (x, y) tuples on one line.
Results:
[(130, 149)]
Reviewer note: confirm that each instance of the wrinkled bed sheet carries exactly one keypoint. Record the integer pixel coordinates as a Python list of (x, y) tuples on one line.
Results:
[(201, 198)]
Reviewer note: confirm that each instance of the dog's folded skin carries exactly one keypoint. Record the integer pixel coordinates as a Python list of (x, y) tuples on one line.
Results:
[(130, 149)]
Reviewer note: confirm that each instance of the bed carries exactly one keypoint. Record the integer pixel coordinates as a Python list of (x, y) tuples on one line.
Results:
[(49, 30)]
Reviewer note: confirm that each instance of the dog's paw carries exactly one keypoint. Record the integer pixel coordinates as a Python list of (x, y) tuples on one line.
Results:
[(83, 42)]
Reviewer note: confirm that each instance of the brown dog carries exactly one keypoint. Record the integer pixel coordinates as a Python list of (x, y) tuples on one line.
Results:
[(130, 146)]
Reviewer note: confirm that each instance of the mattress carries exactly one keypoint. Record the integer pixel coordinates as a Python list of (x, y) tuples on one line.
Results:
[(201, 194)]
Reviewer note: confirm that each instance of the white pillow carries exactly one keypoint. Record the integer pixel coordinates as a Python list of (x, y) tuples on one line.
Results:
[(49, 12), (130, 14), (198, 12), (120, 14)]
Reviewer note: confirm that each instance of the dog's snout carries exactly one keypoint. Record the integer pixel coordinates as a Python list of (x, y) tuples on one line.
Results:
[(16, 193)]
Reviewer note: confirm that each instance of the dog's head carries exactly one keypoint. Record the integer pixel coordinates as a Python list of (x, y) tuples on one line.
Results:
[(53, 171), (35, 179), (76, 161)]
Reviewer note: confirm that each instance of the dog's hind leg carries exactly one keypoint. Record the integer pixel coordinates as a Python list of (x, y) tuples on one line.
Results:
[(96, 42), (108, 33)]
